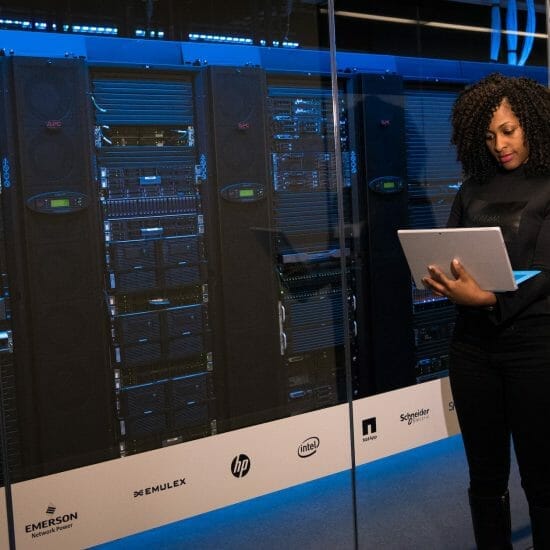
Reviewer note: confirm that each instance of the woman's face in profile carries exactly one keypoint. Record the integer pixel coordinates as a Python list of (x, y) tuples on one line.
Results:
[(505, 138)]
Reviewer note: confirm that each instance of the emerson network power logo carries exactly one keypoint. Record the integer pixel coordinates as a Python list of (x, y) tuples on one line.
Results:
[(52, 524)]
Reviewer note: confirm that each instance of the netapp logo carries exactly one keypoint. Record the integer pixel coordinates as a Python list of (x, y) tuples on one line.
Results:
[(240, 465), (414, 417), (369, 429), (308, 447), (51, 525), (160, 487)]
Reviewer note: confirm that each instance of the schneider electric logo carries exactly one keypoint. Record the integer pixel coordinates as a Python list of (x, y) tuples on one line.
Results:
[(369, 429), (308, 447), (52, 524), (240, 465), (414, 417), (160, 487)]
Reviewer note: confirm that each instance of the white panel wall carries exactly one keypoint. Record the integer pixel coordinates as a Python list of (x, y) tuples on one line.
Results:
[(4, 543), (87, 506), (393, 422)]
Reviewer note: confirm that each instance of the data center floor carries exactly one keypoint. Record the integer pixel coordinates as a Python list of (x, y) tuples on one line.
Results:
[(410, 501)]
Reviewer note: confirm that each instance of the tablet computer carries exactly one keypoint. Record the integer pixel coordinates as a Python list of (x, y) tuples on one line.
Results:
[(481, 250)]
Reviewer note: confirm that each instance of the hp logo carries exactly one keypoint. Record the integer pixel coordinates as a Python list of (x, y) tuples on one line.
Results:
[(240, 466)]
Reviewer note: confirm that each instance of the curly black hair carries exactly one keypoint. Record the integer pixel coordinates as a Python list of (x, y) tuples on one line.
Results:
[(472, 113)]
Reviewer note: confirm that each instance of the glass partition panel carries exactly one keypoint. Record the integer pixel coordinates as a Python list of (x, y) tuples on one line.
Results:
[(416, 58), (4, 479), (404, 65), (8, 455), (180, 286)]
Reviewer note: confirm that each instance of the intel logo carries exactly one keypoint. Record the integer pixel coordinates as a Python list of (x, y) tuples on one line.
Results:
[(308, 447)]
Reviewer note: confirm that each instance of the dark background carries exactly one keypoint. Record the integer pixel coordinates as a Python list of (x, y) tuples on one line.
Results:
[(302, 21)]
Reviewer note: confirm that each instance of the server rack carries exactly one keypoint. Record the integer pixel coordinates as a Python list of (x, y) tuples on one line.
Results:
[(222, 266), (60, 384), (306, 240), (9, 450), (433, 179), (380, 197), (247, 334), (261, 200), (151, 177)]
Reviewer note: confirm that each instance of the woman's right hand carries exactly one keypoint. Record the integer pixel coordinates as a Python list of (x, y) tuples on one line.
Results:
[(462, 290)]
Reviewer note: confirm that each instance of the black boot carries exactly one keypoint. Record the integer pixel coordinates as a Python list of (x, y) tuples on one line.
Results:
[(540, 526), (491, 520)]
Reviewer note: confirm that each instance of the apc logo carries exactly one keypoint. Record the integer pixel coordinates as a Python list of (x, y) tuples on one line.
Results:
[(369, 429), (240, 466)]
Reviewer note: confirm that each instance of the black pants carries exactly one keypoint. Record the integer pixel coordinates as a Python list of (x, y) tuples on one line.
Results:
[(500, 381)]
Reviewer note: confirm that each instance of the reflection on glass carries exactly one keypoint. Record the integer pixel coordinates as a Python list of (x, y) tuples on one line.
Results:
[(433, 177), (499, 31), (434, 50), (175, 260), (176, 264), (422, 39), (307, 245)]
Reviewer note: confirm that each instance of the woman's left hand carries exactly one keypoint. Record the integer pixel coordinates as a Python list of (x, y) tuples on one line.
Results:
[(462, 290)]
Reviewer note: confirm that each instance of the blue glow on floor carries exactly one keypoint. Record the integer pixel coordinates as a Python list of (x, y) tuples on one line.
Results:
[(272, 512)]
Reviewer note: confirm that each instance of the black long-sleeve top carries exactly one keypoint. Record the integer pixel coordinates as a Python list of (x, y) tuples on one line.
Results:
[(521, 207)]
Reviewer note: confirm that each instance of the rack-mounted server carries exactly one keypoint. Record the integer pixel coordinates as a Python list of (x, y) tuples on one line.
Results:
[(220, 280), (155, 259), (306, 229), (433, 179)]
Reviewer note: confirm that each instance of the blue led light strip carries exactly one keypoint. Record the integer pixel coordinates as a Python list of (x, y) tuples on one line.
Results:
[(530, 29), (496, 26), (512, 28)]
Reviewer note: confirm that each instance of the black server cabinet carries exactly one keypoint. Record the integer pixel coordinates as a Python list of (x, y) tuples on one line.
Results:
[(152, 178), (9, 448), (247, 320), (433, 174), (54, 259), (211, 223), (306, 231), (277, 215), (380, 208)]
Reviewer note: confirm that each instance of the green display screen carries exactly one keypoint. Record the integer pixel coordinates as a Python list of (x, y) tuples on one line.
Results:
[(244, 193), (60, 203), (389, 185)]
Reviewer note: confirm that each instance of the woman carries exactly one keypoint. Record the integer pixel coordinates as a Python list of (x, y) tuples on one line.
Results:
[(500, 351)]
